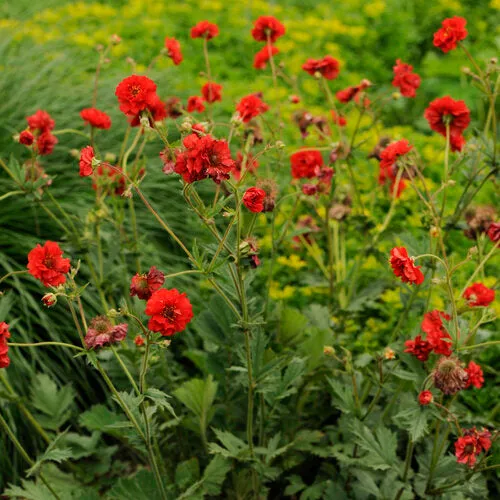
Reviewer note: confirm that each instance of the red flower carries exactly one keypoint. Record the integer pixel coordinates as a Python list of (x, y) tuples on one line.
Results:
[(483, 438), (211, 92), (260, 59), (309, 189), (156, 107), (418, 348), (253, 199), (102, 333), (305, 162), (46, 264), (351, 93), (195, 103), (475, 373), (251, 165), (204, 157), (294, 99), (96, 118), (479, 295), (87, 156), (26, 138), (407, 81), (41, 121), (404, 267), (251, 106), (204, 29), (139, 341), (494, 232), (446, 110), (328, 67), (432, 325), (45, 143), (109, 180), (466, 450), (143, 285), (452, 31), (267, 28), (174, 50), (389, 164), (457, 142), (425, 398), (338, 119), (170, 311), (135, 93), (4, 348)]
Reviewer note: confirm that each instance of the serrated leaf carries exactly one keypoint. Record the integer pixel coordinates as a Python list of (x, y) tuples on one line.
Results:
[(160, 399), (232, 446), (342, 396), (141, 485), (51, 454)]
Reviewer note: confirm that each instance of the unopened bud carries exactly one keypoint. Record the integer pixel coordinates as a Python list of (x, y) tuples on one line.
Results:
[(494, 60), (113, 313), (434, 232), (396, 96), (472, 251), (115, 39), (49, 300), (389, 353), (328, 350), (466, 70), (280, 144), (187, 124)]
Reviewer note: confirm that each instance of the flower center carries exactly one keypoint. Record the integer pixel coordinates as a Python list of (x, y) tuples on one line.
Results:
[(48, 262), (169, 313), (135, 90)]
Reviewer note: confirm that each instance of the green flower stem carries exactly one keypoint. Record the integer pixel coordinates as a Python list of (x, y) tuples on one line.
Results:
[(42, 344), (477, 346), (479, 267), (126, 370), (409, 453), (71, 131), (64, 214), (75, 320), (131, 149), (13, 273), (446, 170)]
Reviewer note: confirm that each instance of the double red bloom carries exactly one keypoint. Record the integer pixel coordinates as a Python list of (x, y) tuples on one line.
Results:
[(173, 50), (419, 348), (306, 163), (407, 81), (389, 164), (102, 333), (251, 106), (26, 138), (267, 28), (494, 232), (476, 377), (195, 103), (95, 118), (451, 32), (404, 267), (204, 29), (472, 444), (437, 336), (260, 59), (144, 285), (87, 156), (40, 125), (328, 67), (47, 264), (4, 348), (478, 295), (253, 199), (211, 92), (170, 311), (350, 93)]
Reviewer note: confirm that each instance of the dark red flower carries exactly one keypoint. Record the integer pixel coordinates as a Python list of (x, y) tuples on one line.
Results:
[(446, 110), (4, 348), (174, 107), (418, 348), (425, 398), (45, 143), (270, 189), (102, 333), (407, 81), (475, 373), (483, 438), (478, 295), (26, 138), (204, 29), (338, 119), (47, 264), (143, 285), (309, 189), (139, 341), (170, 311), (304, 163), (389, 158), (250, 165), (174, 50), (267, 28), (109, 180), (451, 32), (351, 93), (195, 103), (494, 232), (253, 199), (135, 93), (437, 335), (95, 118), (404, 267), (260, 59), (328, 67), (251, 106), (87, 156), (41, 121), (211, 92), (466, 450)]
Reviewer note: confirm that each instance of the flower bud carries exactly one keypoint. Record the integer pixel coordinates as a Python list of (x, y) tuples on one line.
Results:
[(49, 300), (396, 96), (434, 232), (389, 353), (425, 398), (328, 350), (115, 39), (279, 145), (139, 341), (113, 313)]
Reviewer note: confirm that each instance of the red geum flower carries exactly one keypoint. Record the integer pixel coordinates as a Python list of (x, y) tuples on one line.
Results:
[(45, 143), (328, 67), (102, 333), (253, 199), (451, 32), (304, 163), (475, 373), (338, 119), (95, 118), (309, 189), (139, 341), (211, 92), (47, 264), (173, 50), (143, 285), (437, 335), (251, 106), (260, 59), (26, 138), (389, 164), (41, 121), (494, 232), (294, 99), (87, 156), (170, 311), (418, 348), (404, 267), (466, 450), (157, 111), (267, 28), (407, 81), (478, 295), (250, 165), (135, 93), (457, 142), (4, 348), (350, 93), (425, 398), (446, 110), (483, 438), (204, 29), (195, 103)]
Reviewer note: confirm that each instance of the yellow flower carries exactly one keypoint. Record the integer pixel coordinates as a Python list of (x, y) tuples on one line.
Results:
[(374, 9), (495, 4), (294, 261), (278, 293)]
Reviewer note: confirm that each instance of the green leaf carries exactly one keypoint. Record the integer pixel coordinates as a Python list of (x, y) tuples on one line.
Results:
[(232, 446), (160, 399), (52, 454), (141, 485), (187, 472), (215, 474), (292, 326), (100, 418), (342, 397), (29, 491), (412, 418)]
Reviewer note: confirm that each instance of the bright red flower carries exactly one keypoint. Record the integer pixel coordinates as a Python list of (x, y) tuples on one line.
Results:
[(102, 333), (253, 199), (204, 29), (156, 108), (211, 92), (251, 165), (407, 81), (466, 450), (87, 156), (143, 285), (267, 28), (328, 67), (418, 348), (404, 267), (174, 50), (479, 295), (294, 99), (437, 335), (338, 119), (425, 398), (251, 106), (195, 103), (260, 59), (351, 93), (26, 138), (170, 311), (47, 264), (451, 32), (389, 164), (95, 118), (135, 93), (494, 232), (110, 180), (483, 438), (45, 143), (476, 377), (457, 142), (305, 163), (4, 348), (41, 121), (446, 110), (139, 341)]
